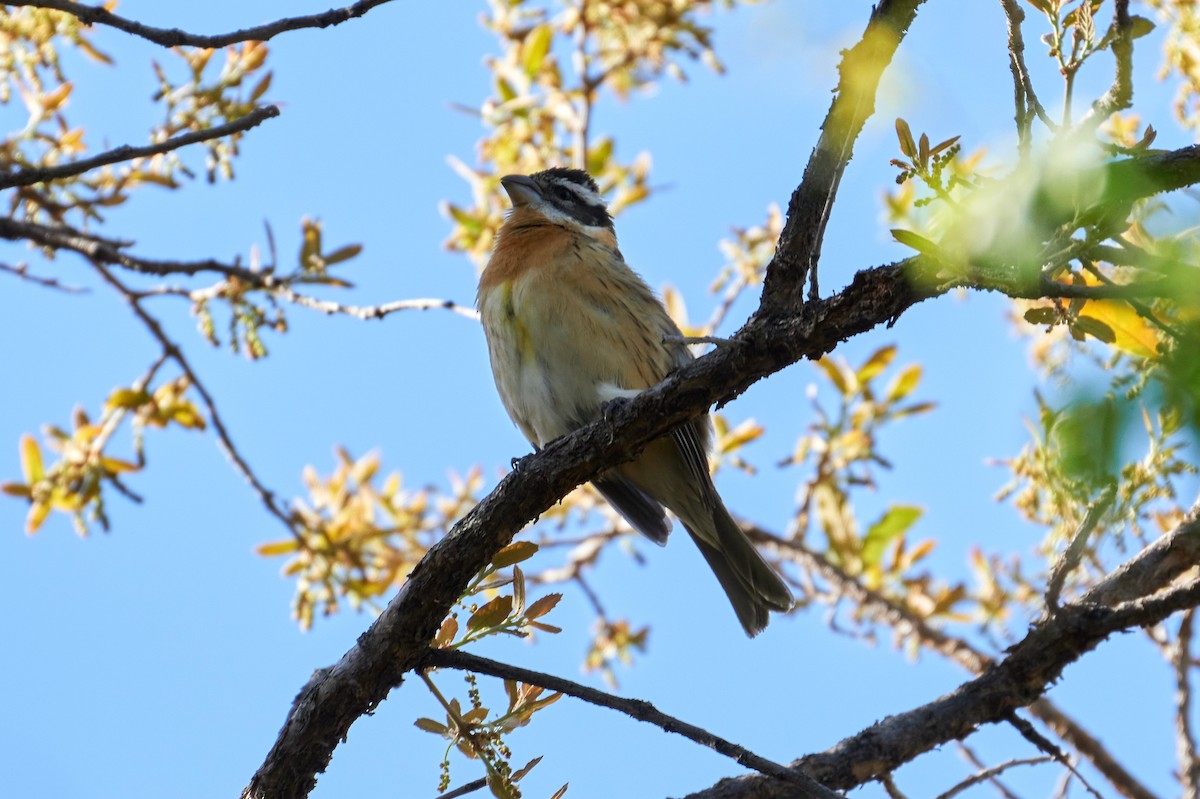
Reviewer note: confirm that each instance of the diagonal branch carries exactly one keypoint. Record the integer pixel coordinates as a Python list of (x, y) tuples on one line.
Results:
[(334, 698), (27, 177), (862, 66), (1143, 589), (637, 709), (906, 622), (173, 37)]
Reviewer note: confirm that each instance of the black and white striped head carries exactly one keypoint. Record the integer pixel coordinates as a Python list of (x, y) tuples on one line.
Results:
[(567, 197)]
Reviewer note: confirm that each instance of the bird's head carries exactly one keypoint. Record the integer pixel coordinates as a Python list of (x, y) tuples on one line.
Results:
[(566, 197)]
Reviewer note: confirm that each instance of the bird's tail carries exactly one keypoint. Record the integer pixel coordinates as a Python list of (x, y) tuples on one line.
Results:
[(753, 587)]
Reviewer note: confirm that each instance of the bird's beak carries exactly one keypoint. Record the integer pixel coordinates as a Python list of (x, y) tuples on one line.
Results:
[(521, 190)]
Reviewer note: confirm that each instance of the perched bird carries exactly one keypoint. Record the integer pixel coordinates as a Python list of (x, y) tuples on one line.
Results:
[(570, 327)]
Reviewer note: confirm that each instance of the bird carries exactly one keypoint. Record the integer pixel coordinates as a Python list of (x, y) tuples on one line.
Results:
[(570, 328)]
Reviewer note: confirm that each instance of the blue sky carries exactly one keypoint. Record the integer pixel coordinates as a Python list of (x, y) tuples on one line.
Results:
[(160, 659)]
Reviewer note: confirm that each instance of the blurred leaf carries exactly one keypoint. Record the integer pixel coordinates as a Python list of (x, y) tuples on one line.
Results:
[(38, 512), (878, 361), (535, 48), (31, 460), (1129, 331), (1095, 328), (833, 370), (916, 242), (342, 254), (1042, 316), (895, 522), (275, 548), (904, 383)]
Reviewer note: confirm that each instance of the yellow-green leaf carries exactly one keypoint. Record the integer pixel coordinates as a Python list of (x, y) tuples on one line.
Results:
[(535, 47), (1131, 332), (903, 384), (895, 522), (833, 370), (276, 548), (915, 241), (31, 460), (878, 361), (38, 512)]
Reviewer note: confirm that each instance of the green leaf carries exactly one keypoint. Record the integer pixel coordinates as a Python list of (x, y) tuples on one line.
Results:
[(895, 522), (1041, 316), (1139, 27), (1095, 328), (915, 241)]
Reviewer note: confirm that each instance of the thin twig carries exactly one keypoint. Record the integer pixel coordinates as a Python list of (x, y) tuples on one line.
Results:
[(889, 785), (27, 177), (463, 790), (1074, 552), (1185, 740), (22, 271), (367, 312), (634, 708), (974, 760), (989, 774), (1026, 101), (906, 622), (1120, 93), (176, 354), (173, 37), (1044, 744), (799, 251)]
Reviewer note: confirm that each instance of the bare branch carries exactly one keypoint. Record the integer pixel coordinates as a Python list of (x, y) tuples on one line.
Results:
[(171, 349), (1185, 739), (906, 622), (862, 66), (22, 271), (1044, 744), (367, 312), (637, 709), (1074, 552), (1120, 93), (994, 779), (463, 790), (173, 37), (1024, 97), (990, 774), (27, 177)]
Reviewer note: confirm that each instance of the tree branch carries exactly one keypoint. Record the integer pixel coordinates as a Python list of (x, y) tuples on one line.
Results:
[(906, 622), (637, 709), (27, 177), (862, 66), (173, 37), (334, 698), (1140, 586)]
